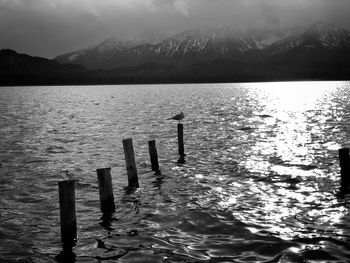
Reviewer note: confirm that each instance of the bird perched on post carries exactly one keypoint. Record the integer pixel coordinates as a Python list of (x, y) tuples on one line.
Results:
[(178, 117), (67, 175)]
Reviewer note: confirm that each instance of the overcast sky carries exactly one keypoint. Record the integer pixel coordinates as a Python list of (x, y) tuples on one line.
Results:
[(51, 27)]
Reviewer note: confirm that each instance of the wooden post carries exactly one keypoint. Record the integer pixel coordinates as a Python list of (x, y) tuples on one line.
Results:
[(130, 163), (180, 138), (152, 148), (180, 141), (344, 159), (106, 190), (67, 212)]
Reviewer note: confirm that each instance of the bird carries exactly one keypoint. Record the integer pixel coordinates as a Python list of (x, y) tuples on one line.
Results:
[(68, 175), (178, 117)]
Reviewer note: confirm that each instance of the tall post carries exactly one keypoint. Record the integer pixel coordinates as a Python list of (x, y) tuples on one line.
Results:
[(67, 212), (180, 138), (180, 142), (344, 159), (130, 163), (106, 190), (152, 148)]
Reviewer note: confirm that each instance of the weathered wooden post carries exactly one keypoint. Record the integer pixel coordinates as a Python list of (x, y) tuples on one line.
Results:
[(180, 138), (106, 190), (152, 148), (130, 163), (344, 159), (67, 212)]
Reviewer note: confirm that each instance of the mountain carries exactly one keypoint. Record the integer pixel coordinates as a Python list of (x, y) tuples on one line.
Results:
[(320, 35), (322, 49), (183, 49), (12, 62), (205, 44), (22, 68), (211, 54), (201, 45), (98, 56)]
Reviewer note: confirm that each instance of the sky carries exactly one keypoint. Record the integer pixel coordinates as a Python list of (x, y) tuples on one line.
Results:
[(49, 28)]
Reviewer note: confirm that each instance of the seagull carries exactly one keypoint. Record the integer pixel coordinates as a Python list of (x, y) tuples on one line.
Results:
[(69, 175), (178, 117)]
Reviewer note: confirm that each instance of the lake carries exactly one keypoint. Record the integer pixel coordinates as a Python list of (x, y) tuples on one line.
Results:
[(261, 182)]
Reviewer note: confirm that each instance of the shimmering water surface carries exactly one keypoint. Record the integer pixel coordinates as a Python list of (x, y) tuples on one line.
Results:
[(261, 181)]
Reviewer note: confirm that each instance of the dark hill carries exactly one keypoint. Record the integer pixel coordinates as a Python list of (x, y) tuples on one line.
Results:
[(22, 69), (12, 62)]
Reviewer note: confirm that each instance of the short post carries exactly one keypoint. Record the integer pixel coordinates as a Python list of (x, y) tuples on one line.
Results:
[(67, 212), (344, 159), (106, 190), (130, 163), (180, 138), (152, 148)]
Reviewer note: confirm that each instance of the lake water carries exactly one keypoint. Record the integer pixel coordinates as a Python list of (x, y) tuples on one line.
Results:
[(261, 181)]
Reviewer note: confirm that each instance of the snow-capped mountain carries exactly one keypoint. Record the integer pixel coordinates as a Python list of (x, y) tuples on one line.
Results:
[(98, 54), (111, 45), (210, 43), (320, 35), (211, 54), (222, 42), (201, 44), (264, 38)]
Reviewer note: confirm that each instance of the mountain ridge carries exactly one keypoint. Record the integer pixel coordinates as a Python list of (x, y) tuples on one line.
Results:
[(320, 52), (209, 43), (11, 61)]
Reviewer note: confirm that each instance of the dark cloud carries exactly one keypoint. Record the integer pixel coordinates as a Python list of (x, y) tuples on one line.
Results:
[(51, 27)]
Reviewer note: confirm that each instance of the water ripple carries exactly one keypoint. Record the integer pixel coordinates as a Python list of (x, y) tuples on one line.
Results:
[(261, 181)]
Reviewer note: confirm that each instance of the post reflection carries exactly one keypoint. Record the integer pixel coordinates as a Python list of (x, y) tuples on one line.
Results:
[(106, 221), (67, 255), (157, 183), (344, 191), (132, 197)]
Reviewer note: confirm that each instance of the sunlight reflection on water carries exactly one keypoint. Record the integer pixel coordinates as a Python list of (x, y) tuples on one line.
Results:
[(285, 148)]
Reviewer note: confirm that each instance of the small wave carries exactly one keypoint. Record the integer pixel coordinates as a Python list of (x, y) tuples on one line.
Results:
[(37, 161), (305, 167), (276, 160), (54, 131), (265, 116), (203, 223), (56, 149), (246, 128), (63, 140)]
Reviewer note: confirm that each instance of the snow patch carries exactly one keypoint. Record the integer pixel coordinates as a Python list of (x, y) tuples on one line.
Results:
[(73, 57)]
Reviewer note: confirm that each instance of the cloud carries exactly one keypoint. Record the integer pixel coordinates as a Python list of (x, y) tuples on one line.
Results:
[(180, 6), (98, 7)]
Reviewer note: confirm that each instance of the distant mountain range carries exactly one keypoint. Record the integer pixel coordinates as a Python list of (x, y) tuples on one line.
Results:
[(210, 43), (186, 48), (210, 54)]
